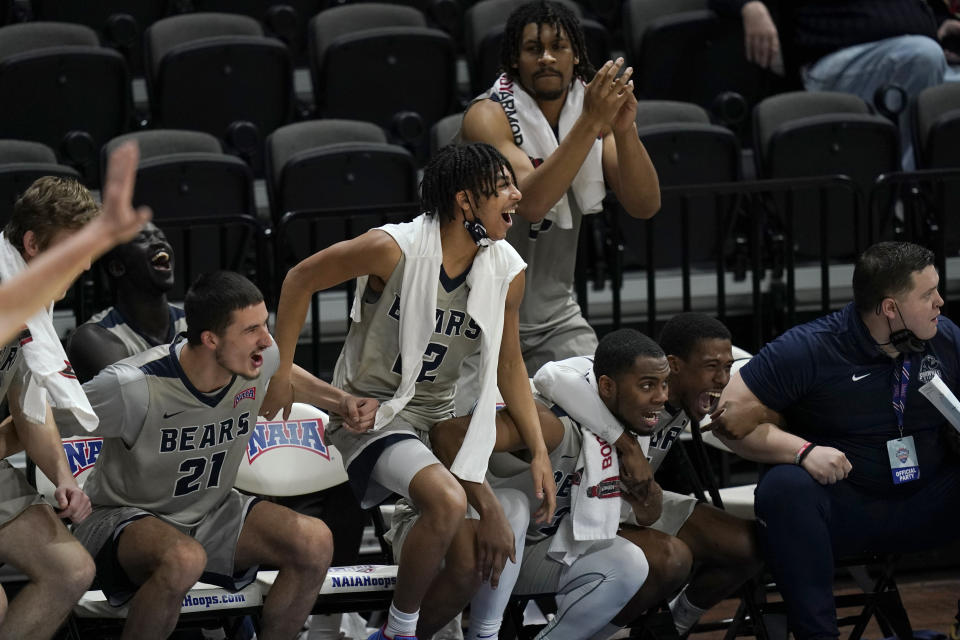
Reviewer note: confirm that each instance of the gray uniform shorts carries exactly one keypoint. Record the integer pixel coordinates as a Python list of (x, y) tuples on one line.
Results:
[(218, 533), (376, 466), (16, 494)]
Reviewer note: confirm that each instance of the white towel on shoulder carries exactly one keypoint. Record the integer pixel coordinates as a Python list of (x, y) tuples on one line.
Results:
[(572, 384), (494, 268), (596, 499), (533, 134), (595, 502), (50, 378)]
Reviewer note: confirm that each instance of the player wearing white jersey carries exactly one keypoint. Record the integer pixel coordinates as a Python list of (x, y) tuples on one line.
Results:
[(176, 420), (50, 273), (47, 214), (606, 586), (723, 547), (720, 547), (468, 195)]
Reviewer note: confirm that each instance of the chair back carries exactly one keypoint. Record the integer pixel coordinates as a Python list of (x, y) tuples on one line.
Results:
[(290, 457), (936, 115), (218, 73), (58, 86), (333, 163), (22, 162)]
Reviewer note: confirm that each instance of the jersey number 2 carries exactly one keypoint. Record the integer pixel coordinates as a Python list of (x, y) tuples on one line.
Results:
[(192, 471), (432, 359)]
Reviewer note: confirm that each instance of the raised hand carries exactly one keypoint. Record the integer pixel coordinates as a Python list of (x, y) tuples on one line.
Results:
[(119, 220), (279, 396), (607, 93)]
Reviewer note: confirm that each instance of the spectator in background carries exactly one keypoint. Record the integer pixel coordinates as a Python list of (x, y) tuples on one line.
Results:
[(854, 46)]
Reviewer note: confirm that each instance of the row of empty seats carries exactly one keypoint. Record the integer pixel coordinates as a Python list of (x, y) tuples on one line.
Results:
[(223, 74), (325, 164), (219, 74)]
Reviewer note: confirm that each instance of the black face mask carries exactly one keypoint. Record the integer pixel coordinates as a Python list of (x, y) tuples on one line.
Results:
[(904, 340), (477, 231)]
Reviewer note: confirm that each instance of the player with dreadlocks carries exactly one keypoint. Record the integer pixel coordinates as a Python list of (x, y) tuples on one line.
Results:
[(568, 132), (429, 293)]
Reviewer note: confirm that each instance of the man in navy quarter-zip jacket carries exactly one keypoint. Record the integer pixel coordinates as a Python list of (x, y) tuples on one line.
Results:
[(858, 452)]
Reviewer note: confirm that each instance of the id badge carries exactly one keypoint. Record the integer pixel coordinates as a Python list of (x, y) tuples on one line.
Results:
[(903, 460)]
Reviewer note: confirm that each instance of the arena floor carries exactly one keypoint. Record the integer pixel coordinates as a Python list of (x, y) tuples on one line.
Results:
[(929, 598)]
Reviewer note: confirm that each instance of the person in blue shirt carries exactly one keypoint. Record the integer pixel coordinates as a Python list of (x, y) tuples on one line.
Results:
[(858, 452)]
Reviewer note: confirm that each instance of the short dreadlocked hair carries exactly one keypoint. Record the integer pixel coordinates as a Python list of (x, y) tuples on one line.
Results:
[(474, 167), (541, 12), (682, 333)]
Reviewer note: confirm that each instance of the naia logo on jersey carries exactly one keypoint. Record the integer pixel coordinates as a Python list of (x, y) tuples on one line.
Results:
[(300, 434), (246, 394), (82, 453)]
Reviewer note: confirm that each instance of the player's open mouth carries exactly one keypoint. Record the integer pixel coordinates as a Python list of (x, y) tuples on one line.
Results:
[(650, 419), (161, 260), (708, 401), (508, 216), (256, 359)]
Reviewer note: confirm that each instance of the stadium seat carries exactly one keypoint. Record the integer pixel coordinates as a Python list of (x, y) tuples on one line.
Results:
[(58, 86), (328, 164), (119, 23), (283, 19), (444, 132), (185, 174), (483, 31), (203, 199), (806, 133), (936, 117), (218, 73), (22, 162), (683, 51), (811, 133), (381, 63), (639, 14), (686, 150), (936, 130)]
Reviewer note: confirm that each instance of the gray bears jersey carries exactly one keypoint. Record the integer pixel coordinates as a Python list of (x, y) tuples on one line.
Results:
[(135, 342), (169, 448), (551, 256), (370, 366), (667, 431), (506, 470)]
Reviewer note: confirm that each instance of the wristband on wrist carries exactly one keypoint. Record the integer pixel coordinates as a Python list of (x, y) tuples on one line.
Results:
[(803, 452)]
